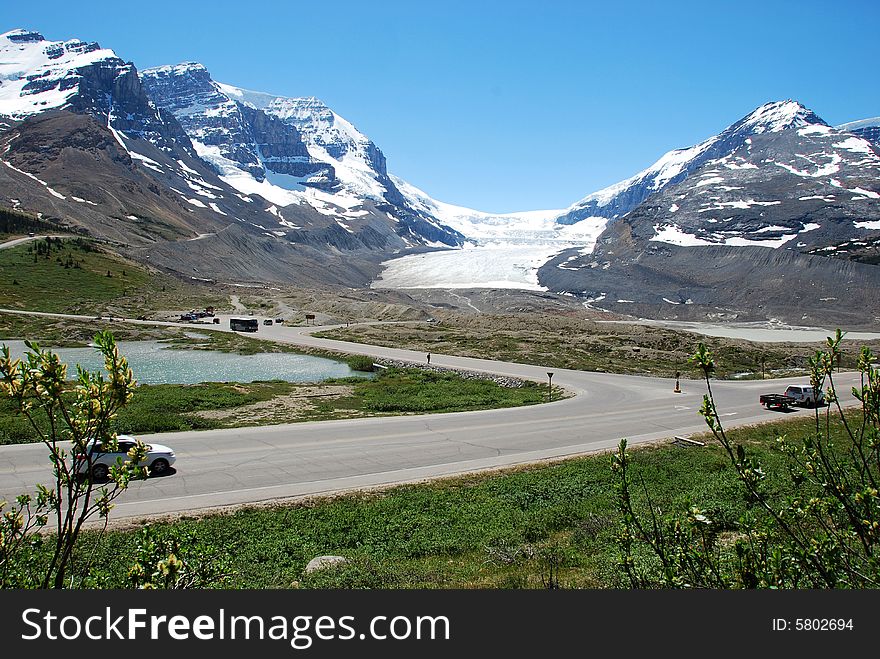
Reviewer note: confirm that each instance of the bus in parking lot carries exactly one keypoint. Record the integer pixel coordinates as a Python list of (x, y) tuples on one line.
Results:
[(244, 324)]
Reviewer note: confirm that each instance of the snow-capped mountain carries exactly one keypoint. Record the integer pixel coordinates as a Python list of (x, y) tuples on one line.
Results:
[(747, 232), (239, 141), (85, 143), (231, 136), (618, 199), (81, 139), (37, 75), (359, 164), (801, 188), (779, 177), (291, 151), (866, 128)]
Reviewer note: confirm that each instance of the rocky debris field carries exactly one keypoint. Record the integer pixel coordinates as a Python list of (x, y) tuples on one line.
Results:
[(500, 380)]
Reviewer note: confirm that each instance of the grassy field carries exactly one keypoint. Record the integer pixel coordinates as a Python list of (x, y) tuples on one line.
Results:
[(501, 530), (77, 276), (66, 333), (568, 342), (171, 407)]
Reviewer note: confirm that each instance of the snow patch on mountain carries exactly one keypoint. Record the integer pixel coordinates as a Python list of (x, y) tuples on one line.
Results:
[(674, 235), (49, 189), (870, 194), (669, 166), (873, 226), (856, 145), (873, 122)]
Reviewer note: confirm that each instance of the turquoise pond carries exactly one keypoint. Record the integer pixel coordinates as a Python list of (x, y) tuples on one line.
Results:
[(154, 362)]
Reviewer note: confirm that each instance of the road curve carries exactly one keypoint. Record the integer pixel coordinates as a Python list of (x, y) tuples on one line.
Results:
[(248, 465), (21, 241)]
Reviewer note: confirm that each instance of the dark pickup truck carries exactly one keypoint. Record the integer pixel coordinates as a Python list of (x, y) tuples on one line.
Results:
[(780, 401)]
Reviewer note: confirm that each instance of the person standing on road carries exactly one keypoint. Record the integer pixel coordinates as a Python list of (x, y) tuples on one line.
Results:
[(429, 357)]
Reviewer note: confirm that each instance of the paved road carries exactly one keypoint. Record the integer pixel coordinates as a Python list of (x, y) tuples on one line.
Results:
[(248, 465), (20, 241)]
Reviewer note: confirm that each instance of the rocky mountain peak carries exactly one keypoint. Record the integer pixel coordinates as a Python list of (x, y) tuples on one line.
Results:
[(232, 136), (673, 167), (776, 116), (21, 35), (330, 135), (38, 75), (185, 89), (194, 73), (294, 152)]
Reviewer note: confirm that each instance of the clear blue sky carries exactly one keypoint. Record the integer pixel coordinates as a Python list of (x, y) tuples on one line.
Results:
[(506, 105)]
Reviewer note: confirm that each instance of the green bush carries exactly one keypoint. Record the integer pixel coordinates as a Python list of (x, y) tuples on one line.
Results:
[(362, 363), (813, 515), (419, 391)]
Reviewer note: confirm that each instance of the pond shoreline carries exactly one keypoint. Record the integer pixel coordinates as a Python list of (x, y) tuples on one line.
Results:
[(169, 362)]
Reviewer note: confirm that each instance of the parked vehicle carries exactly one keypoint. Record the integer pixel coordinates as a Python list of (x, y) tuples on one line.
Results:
[(158, 460), (244, 324), (268, 321)]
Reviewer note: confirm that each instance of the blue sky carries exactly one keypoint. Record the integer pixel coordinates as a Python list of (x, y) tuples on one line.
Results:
[(509, 105)]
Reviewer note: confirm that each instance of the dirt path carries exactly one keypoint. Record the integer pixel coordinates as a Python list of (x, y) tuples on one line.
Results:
[(237, 306), (466, 300), (285, 309), (284, 408)]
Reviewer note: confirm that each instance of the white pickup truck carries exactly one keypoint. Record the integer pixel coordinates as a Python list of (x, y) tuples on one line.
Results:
[(803, 394), (796, 394)]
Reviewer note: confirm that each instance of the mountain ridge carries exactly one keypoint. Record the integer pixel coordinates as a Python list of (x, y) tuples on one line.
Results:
[(742, 230), (84, 142), (324, 162), (203, 177)]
